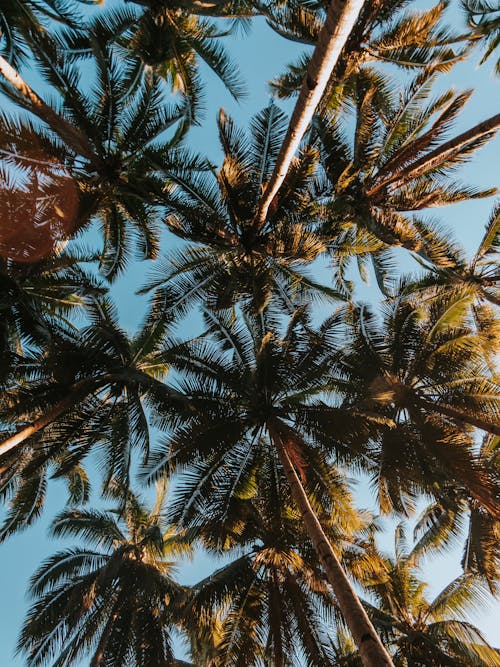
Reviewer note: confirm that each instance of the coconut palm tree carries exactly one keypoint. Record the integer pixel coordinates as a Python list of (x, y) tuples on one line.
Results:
[(273, 604), (235, 257), (443, 523), (36, 298), (426, 375), (23, 21), (394, 165), (473, 282), (270, 602), (87, 390), (107, 143), (383, 33), (253, 391), (113, 601), (422, 631), (169, 39), (483, 17), (478, 276)]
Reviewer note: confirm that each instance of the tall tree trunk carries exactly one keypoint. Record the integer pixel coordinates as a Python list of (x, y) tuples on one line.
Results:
[(77, 393), (459, 415), (68, 132), (440, 154), (371, 649), (340, 19)]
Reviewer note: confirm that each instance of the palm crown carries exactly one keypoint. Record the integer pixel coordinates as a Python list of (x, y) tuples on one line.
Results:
[(392, 165), (425, 631), (93, 390), (36, 298), (114, 600), (235, 257), (428, 375), (113, 153)]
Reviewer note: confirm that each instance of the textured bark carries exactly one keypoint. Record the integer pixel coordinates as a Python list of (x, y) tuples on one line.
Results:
[(340, 19), (438, 155), (371, 649), (460, 415), (68, 132)]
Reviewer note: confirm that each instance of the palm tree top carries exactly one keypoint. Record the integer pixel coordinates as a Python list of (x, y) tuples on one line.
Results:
[(423, 630), (113, 600)]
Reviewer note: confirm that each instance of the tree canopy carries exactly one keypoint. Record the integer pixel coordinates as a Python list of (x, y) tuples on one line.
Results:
[(286, 414)]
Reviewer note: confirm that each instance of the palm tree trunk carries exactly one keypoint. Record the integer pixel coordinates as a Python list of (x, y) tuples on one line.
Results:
[(459, 415), (340, 19), (68, 132), (371, 649), (437, 156), (101, 647), (78, 391)]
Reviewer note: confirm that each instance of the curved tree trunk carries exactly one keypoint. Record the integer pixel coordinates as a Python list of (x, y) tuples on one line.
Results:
[(340, 20), (371, 649), (435, 157), (68, 132), (459, 415), (77, 393)]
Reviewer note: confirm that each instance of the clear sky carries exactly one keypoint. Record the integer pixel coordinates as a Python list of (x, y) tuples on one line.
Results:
[(262, 55)]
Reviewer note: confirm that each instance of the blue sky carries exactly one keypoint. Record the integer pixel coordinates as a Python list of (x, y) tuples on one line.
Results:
[(261, 55)]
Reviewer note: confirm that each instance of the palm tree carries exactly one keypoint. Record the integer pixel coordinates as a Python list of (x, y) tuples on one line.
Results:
[(395, 164), (254, 390), (235, 257), (423, 632), (383, 33), (37, 298), (478, 276), (473, 282), (427, 377), (271, 603), (109, 144), (113, 601), (23, 21), (169, 39), (446, 521), (92, 389), (390, 170), (484, 20)]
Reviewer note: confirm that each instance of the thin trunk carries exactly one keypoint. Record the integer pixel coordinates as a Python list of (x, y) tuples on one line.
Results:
[(101, 647), (438, 155), (371, 649), (77, 393), (340, 19), (275, 621), (68, 132), (459, 415)]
